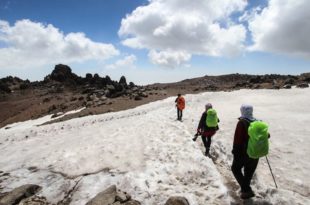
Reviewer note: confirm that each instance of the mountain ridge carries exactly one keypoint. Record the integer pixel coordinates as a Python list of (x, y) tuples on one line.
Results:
[(62, 91)]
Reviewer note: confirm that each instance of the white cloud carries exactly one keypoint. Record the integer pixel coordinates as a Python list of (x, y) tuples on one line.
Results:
[(127, 62), (31, 44), (169, 59), (196, 27), (282, 27)]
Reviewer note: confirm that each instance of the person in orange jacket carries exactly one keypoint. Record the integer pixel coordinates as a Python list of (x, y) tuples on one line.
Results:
[(180, 104)]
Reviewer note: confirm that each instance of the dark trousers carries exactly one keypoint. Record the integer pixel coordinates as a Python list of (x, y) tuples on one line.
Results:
[(249, 165), (206, 142), (179, 113), (206, 138)]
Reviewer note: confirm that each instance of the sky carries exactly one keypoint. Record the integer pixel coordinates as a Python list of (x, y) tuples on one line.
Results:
[(152, 41), (161, 160)]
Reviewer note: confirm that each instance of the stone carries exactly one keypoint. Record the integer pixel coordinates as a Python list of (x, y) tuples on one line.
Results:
[(303, 85), (19, 193), (132, 202), (177, 200), (121, 197), (287, 86), (106, 197)]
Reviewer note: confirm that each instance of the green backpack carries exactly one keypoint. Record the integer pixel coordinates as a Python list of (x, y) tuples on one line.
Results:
[(212, 118), (258, 144)]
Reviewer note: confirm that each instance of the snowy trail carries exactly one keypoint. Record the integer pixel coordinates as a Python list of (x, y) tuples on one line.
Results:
[(149, 154)]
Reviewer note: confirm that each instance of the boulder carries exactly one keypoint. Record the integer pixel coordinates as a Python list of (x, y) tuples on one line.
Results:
[(289, 81), (122, 81), (19, 193), (287, 86), (303, 85), (138, 97), (111, 196), (106, 197), (132, 202), (62, 73), (177, 200)]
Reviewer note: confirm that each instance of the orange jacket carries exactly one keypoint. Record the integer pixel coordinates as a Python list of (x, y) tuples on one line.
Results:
[(180, 103)]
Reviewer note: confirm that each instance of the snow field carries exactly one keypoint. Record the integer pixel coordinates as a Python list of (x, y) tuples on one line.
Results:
[(149, 154)]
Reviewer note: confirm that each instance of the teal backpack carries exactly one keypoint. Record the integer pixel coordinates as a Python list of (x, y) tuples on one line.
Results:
[(212, 119), (258, 144)]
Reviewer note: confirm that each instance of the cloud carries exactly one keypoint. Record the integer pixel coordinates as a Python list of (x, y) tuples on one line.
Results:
[(31, 44), (127, 62), (169, 59), (177, 26), (282, 27)]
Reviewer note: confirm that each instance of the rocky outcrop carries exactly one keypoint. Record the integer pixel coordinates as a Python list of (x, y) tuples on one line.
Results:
[(63, 74)]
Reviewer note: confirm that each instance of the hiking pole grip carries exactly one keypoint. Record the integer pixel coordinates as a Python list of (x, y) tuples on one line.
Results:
[(272, 173)]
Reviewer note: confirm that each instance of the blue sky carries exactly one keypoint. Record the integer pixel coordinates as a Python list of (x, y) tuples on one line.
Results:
[(154, 41)]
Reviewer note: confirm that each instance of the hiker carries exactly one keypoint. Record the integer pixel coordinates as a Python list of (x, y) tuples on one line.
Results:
[(207, 129), (180, 104), (241, 157)]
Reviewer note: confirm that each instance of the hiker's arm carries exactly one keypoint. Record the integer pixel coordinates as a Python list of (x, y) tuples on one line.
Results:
[(239, 139), (200, 125)]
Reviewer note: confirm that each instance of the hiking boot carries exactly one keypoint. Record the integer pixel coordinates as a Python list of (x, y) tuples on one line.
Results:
[(207, 152), (247, 195)]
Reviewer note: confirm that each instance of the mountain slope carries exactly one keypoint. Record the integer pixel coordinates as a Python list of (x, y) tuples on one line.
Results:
[(145, 152)]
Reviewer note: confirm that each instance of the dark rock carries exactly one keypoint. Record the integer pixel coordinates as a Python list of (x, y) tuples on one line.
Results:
[(289, 81), (122, 81), (177, 200), (96, 76), (106, 197), (132, 202), (88, 90), (287, 86), (4, 88), (143, 94), (73, 98), (45, 100), (276, 87), (131, 84), (89, 76), (62, 73), (138, 97), (16, 195), (24, 86), (81, 98), (52, 108), (255, 80), (303, 85)]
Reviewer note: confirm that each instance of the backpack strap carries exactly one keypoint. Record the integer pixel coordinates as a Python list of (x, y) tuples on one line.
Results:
[(246, 122)]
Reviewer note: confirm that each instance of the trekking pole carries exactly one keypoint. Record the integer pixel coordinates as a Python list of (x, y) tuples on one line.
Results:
[(271, 173)]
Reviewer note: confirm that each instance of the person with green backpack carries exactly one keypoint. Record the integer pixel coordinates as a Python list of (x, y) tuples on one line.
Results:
[(207, 127), (250, 143)]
